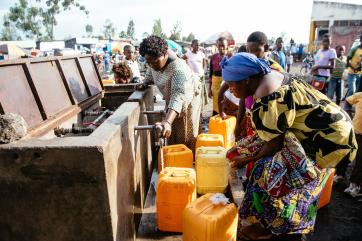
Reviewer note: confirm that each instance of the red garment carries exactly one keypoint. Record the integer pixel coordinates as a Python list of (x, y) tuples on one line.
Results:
[(215, 62)]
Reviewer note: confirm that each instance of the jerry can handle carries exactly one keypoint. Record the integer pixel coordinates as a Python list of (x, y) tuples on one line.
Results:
[(179, 174), (176, 149), (211, 151)]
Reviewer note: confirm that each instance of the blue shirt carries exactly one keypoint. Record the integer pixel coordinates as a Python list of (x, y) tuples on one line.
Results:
[(282, 59), (106, 58)]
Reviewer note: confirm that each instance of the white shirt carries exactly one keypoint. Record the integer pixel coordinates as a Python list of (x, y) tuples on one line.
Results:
[(195, 61), (230, 96), (117, 58), (134, 67)]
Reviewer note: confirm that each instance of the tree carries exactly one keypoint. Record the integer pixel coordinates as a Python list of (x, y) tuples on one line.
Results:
[(189, 38), (145, 35), (89, 30), (123, 34), (157, 29), (108, 29), (176, 32), (37, 19), (284, 36), (131, 29), (8, 32)]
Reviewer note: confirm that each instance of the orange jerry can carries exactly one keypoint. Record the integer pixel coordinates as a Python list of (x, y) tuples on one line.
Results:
[(327, 189), (225, 128), (176, 188), (212, 169), (206, 221), (175, 156), (209, 140)]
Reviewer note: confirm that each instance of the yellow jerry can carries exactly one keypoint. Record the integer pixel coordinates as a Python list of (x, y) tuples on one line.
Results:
[(205, 221), (212, 169), (176, 188)]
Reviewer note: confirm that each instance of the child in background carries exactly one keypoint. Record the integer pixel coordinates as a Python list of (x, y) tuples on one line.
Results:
[(335, 83), (354, 188), (289, 61), (122, 73)]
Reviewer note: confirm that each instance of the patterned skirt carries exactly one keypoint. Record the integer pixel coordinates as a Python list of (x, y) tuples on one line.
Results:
[(283, 191)]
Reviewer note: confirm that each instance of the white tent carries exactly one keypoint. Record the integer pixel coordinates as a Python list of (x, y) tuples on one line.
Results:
[(212, 39)]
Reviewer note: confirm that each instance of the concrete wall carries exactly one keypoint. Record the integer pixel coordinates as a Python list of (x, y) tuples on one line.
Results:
[(345, 35), (335, 11), (78, 188)]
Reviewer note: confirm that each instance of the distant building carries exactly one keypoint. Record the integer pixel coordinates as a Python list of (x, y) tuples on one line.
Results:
[(26, 44), (82, 44), (46, 46), (342, 21)]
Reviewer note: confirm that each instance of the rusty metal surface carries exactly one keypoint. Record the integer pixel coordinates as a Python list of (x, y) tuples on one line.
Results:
[(54, 194), (56, 120), (90, 74), (16, 95), (40, 88), (74, 79), (41, 59), (50, 87)]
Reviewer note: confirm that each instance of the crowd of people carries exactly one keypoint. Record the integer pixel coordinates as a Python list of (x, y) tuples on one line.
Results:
[(295, 129)]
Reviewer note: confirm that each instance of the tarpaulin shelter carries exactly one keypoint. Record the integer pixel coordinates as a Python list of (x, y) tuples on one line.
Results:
[(227, 35), (13, 51)]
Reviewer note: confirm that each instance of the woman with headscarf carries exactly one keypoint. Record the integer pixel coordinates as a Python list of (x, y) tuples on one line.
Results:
[(299, 133), (179, 87)]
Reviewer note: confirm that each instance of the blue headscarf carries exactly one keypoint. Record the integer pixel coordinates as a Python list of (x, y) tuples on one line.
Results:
[(243, 65)]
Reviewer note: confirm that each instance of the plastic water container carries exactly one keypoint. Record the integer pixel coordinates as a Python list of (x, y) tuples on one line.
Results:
[(327, 189), (209, 140), (176, 188), (176, 156), (225, 128), (108, 82), (212, 170), (205, 221)]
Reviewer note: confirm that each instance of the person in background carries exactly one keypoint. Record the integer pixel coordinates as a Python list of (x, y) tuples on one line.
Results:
[(289, 61), (335, 83), (354, 188), (229, 103), (117, 57), (129, 51), (354, 64), (122, 73), (267, 53), (294, 51), (324, 63), (300, 52), (179, 88), (242, 48), (197, 62), (257, 43), (278, 54), (215, 73), (107, 60)]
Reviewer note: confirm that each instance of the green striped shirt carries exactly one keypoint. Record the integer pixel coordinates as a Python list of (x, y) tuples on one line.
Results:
[(340, 67)]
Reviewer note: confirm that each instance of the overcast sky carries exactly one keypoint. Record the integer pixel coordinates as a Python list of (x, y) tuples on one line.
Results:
[(201, 17)]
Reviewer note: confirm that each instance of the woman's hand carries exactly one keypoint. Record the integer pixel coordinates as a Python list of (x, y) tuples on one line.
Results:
[(223, 116), (165, 129), (239, 161)]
